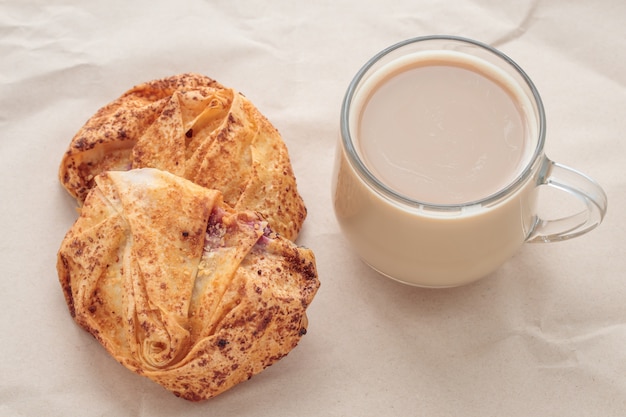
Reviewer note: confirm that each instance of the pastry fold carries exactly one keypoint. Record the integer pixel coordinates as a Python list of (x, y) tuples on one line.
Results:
[(193, 127), (181, 288)]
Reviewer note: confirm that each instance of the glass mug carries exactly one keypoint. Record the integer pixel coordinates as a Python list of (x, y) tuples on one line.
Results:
[(440, 162)]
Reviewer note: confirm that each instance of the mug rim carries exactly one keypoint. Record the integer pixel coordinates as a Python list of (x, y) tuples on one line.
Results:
[(374, 182)]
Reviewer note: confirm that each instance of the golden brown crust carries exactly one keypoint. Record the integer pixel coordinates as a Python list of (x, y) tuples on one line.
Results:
[(191, 126), (181, 288)]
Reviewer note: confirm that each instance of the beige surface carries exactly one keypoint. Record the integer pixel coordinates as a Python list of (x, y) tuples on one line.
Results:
[(545, 335)]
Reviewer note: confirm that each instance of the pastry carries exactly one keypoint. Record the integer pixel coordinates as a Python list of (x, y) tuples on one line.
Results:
[(193, 127), (181, 288)]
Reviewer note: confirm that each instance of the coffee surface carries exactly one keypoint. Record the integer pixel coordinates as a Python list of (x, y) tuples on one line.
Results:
[(442, 132)]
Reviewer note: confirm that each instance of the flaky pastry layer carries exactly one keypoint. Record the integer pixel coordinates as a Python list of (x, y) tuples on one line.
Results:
[(191, 126), (181, 288)]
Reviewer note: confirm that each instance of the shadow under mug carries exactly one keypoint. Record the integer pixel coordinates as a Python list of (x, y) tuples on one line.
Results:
[(445, 245)]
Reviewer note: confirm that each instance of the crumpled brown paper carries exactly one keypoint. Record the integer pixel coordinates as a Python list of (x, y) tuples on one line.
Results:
[(544, 335)]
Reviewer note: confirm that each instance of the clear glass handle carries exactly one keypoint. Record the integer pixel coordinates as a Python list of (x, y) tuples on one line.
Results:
[(580, 186)]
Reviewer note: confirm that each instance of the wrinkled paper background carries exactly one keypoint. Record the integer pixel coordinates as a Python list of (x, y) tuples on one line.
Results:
[(545, 335)]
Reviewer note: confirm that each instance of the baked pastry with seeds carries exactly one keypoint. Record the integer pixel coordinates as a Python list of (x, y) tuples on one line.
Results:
[(191, 126), (181, 288)]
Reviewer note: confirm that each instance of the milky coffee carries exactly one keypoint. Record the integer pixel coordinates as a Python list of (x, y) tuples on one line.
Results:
[(443, 129), (440, 158)]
